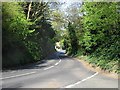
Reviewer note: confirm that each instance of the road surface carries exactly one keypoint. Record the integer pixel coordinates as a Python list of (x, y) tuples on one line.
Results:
[(58, 71)]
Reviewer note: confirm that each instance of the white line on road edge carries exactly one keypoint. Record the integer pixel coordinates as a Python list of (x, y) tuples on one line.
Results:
[(71, 85), (48, 67), (17, 75)]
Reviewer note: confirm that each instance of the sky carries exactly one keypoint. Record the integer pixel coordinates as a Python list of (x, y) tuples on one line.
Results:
[(68, 3)]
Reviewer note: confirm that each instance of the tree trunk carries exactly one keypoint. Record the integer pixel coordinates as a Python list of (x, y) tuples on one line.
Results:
[(29, 8)]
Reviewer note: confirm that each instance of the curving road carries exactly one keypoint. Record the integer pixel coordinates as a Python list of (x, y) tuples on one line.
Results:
[(58, 71)]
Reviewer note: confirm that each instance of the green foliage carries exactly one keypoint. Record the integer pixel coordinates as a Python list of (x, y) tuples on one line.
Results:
[(101, 33), (98, 23), (43, 36), (28, 32), (73, 39), (26, 41), (15, 30), (97, 33)]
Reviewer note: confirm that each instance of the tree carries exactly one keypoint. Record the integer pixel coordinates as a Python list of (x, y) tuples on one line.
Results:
[(99, 24), (39, 16), (15, 30), (27, 33)]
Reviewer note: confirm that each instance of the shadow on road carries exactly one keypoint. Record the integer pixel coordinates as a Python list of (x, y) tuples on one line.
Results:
[(42, 63), (57, 56), (36, 65)]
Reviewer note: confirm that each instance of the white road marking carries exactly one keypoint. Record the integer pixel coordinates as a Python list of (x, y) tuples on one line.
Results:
[(48, 67), (13, 71), (17, 75), (54, 65), (28, 73), (71, 85), (58, 62)]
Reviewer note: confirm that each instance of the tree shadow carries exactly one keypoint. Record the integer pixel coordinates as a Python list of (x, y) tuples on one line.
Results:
[(35, 65), (40, 64)]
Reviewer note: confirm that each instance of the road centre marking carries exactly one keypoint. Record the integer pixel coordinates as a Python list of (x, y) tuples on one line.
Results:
[(17, 75), (27, 73), (13, 71), (58, 62), (48, 67), (54, 65)]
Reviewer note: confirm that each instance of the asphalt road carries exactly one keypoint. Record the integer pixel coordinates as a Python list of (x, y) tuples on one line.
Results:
[(58, 71)]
